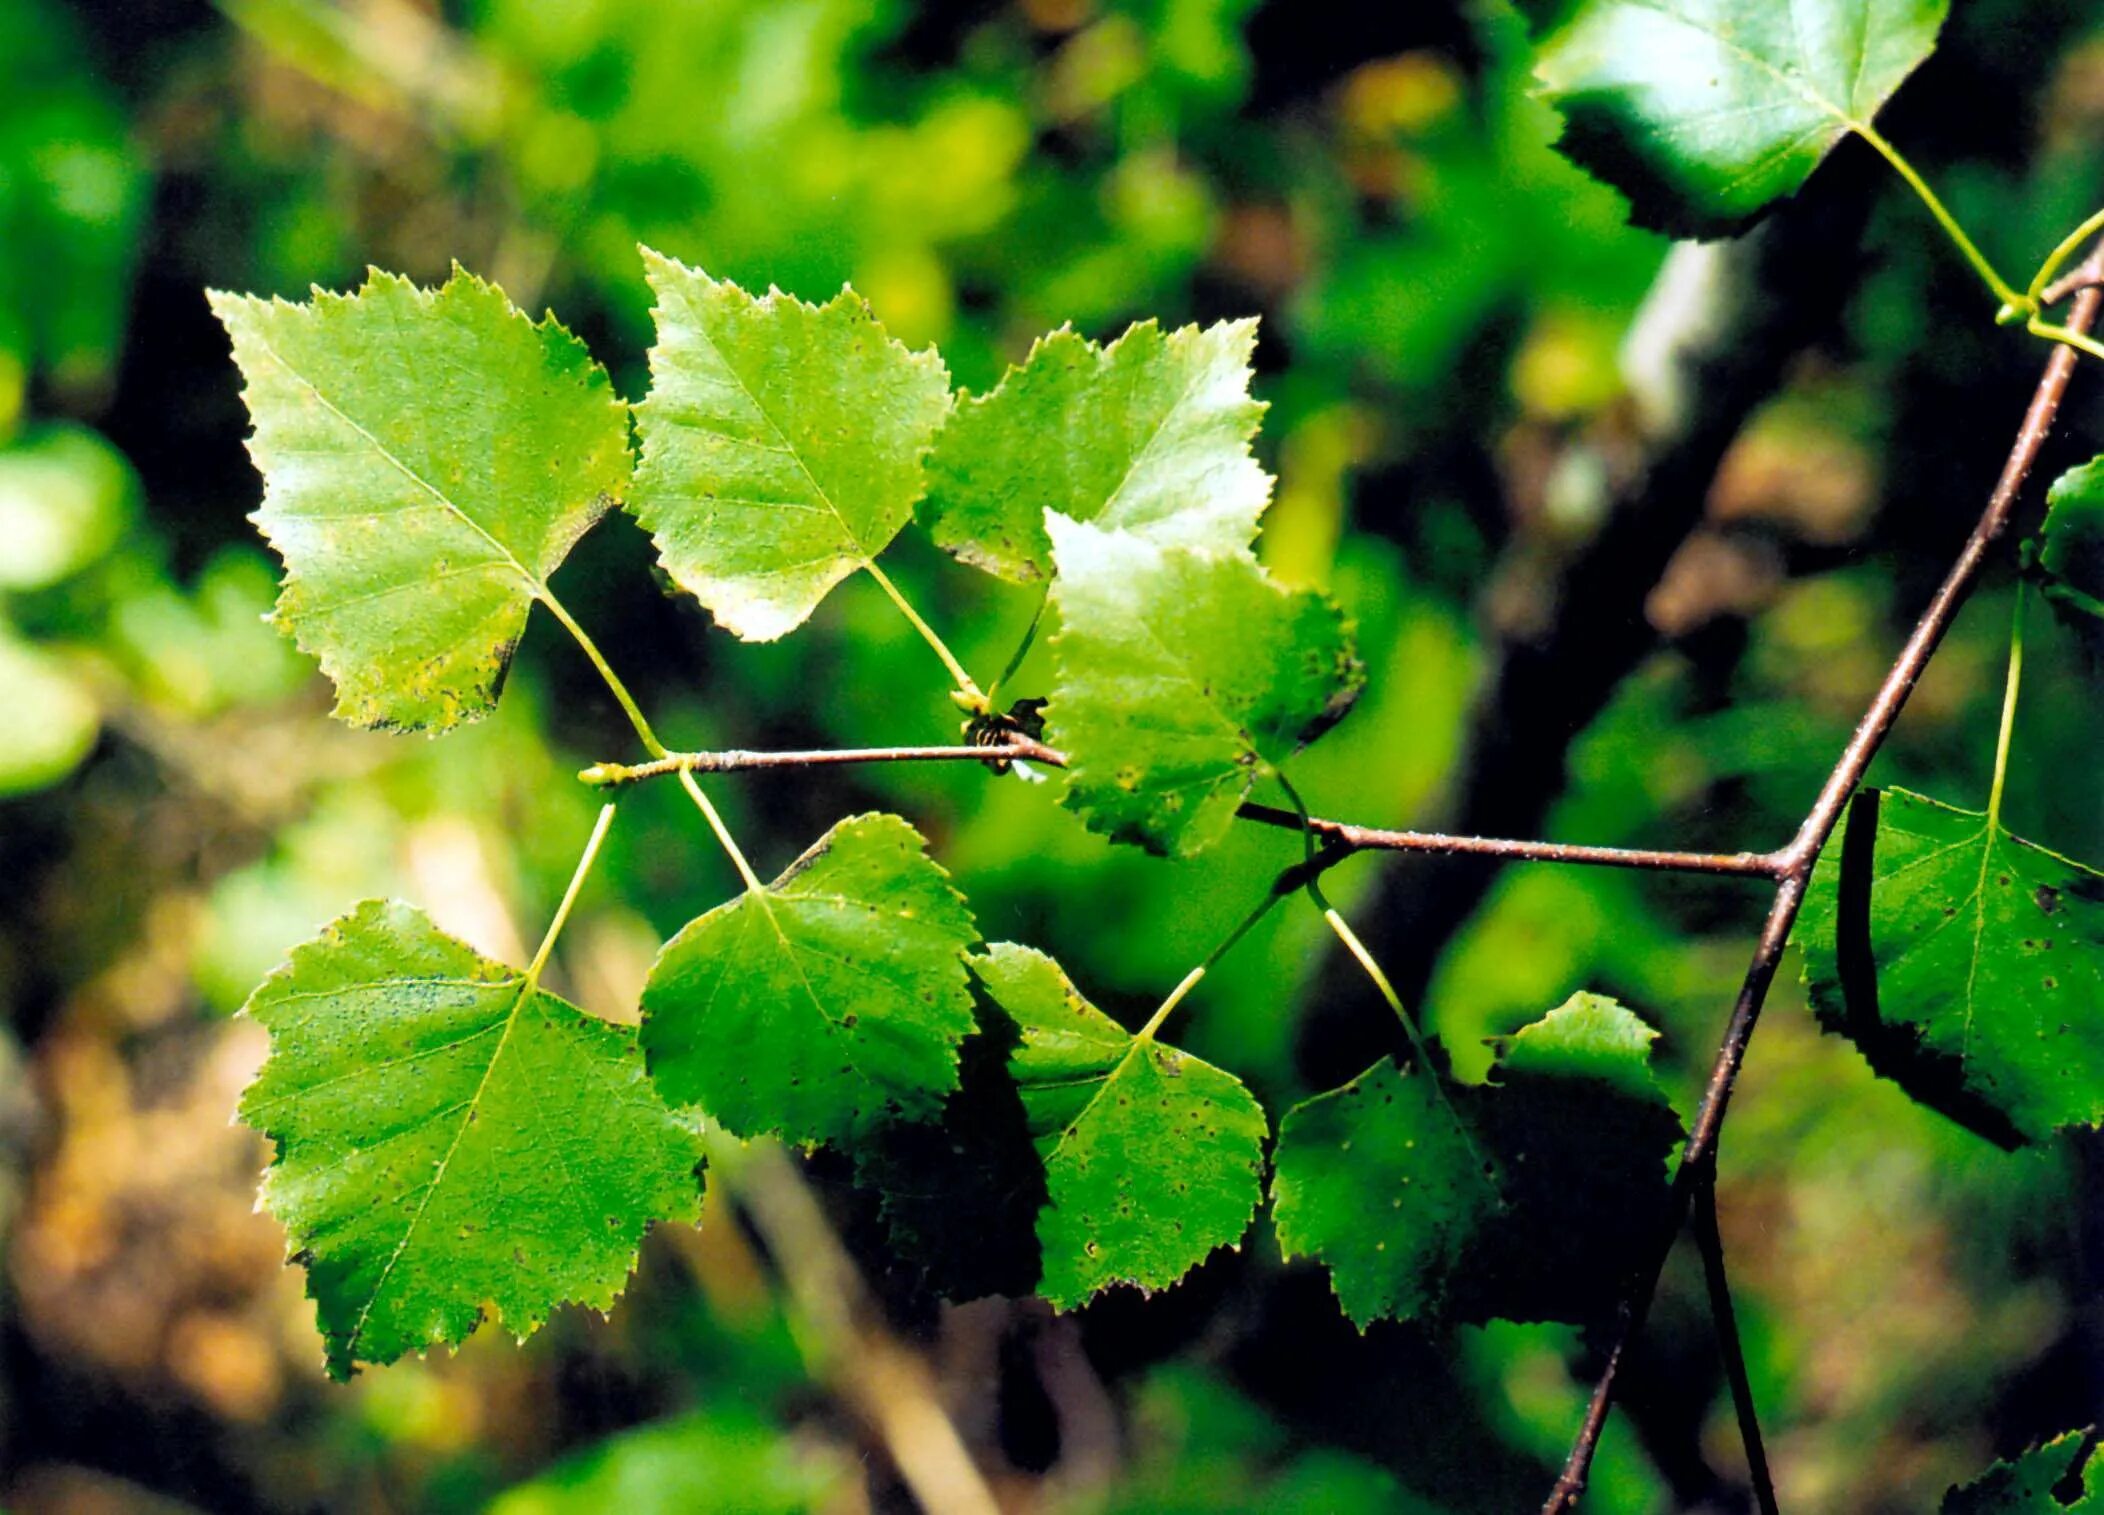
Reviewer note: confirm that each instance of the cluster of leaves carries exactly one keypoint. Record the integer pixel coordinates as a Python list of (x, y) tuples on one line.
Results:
[(1968, 964), (451, 1137)]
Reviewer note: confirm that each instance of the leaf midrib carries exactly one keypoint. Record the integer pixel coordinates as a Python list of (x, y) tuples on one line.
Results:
[(522, 990), (789, 448), (533, 582)]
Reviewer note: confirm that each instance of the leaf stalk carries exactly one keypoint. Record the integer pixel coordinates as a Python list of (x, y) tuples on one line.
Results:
[(562, 911)]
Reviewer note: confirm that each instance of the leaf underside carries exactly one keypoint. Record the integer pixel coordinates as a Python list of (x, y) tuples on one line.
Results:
[(1180, 677), (959, 1196), (1523, 1199), (1705, 112), (2027, 1485), (783, 444), (429, 458), (834, 999), (1151, 1157), (1150, 435), (451, 1139), (1966, 963)]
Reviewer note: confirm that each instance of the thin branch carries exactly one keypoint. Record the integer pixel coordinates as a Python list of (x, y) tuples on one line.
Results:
[(1375, 839), (1711, 1244), (2068, 284), (1347, 837), (1698, 1158)]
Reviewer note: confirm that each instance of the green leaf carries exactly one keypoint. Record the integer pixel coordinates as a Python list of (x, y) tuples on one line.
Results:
[(783, 444), (1179, 678), (832, 999), (2069, 550), (1150, 435), (1152, 1158), (2024, 1485), (1967, 964), (72, 186), (451, 1138), (429, 458), (719, 1461), (1522, 1199), (66, 496), (1704, 112)]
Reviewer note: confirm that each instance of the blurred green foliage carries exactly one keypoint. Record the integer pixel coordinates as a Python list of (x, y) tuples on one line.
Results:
[(1445, 305)]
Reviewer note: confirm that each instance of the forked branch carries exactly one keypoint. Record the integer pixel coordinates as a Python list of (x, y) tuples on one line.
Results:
[(1698, 1158)]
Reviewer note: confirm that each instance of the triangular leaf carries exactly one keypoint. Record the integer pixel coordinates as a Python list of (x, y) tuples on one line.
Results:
[(834, 998), (1150, 434), (1179, 678), (783, 444), (429, 458), (2069, 551), (1704, 112), (1152, 1158), (2026, 1485), (1523, 1199), (451, 1138), (1966, 963)]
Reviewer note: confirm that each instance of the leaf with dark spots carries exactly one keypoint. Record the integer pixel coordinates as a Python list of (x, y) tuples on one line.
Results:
[(1966, 963), (1180, 678), (1152, 1158), (1524, 1199)]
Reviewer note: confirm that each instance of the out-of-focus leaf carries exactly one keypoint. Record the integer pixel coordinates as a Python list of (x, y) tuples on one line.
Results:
[(783, 444), (712, 1462), (1704, 112), (1152, 1158), (1150, 435), (1966, 963), (831, 1000), (50, 719), (70, 193), (2025, 1485), (452, 1138), (65, 494), (429, 458), (1201, 1448), (1181, 677), (1521, 1199)]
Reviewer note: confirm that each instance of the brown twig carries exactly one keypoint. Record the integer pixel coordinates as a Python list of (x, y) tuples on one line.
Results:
[(1698, 1158), (1346, 837), (2068, 283), (1710, 1242)]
